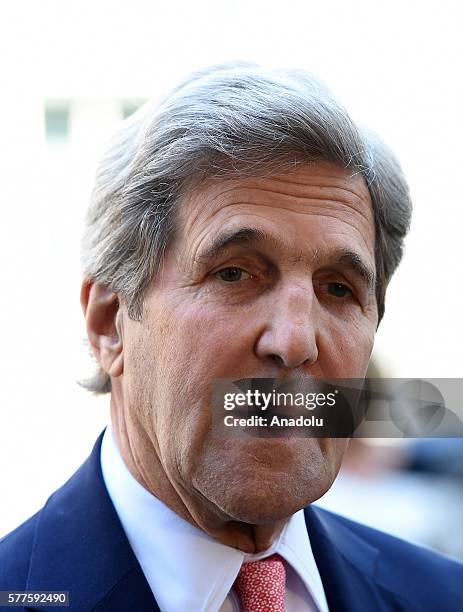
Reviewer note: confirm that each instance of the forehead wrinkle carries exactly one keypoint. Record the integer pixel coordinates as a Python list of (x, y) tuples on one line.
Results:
[(197, 208), (351, 187), (319, 211), (343, 188), (347, 195), (328, 186), (328, 194), (305, 204)]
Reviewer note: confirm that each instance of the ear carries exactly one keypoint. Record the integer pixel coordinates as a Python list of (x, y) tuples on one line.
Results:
[(103, 316)]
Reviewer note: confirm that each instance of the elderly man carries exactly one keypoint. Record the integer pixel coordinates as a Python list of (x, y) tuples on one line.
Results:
[(243, 227)]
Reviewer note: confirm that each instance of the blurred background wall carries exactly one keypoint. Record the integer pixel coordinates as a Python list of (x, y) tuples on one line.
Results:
[(72, 70)]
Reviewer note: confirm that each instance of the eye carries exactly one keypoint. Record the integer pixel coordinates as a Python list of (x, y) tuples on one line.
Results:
[(339, 290), (231, 274)]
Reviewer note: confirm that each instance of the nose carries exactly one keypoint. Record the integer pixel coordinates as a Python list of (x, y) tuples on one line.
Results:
[(289, 337)]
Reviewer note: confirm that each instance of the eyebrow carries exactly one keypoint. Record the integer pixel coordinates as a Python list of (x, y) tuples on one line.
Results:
[(352, 260), (244, 235), (251, 235)]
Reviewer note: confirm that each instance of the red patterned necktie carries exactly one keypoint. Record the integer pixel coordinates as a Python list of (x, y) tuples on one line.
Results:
[(261, 585)]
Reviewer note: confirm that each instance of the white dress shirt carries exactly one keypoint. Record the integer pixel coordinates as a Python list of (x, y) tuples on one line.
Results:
[(186, 568)]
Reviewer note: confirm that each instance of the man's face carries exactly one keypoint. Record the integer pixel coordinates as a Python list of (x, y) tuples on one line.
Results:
[(266, 277)]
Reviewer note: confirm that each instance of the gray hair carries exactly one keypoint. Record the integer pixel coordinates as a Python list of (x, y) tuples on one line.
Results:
[(236, 119)]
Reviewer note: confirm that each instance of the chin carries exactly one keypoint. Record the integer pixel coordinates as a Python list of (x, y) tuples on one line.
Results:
[(259, 482), (260, 498), (256, 511)]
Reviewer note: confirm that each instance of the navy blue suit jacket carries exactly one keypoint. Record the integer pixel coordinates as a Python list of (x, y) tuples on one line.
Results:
[(76, 543)]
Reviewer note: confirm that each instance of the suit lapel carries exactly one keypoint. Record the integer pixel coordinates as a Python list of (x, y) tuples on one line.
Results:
[(80, 547), (345, 561)]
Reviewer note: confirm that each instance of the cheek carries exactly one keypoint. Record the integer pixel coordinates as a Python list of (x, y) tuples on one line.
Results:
[(206, 341), (179, 352), (345, 348)]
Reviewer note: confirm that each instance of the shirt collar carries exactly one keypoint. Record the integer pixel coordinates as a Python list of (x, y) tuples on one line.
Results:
[(185, 567)]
